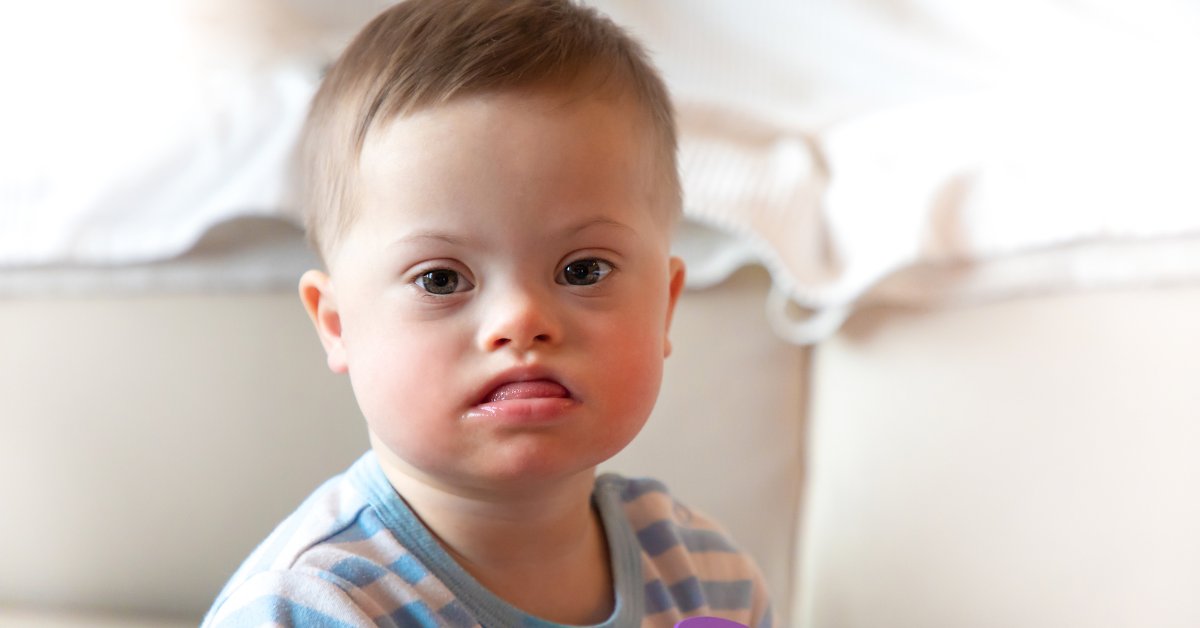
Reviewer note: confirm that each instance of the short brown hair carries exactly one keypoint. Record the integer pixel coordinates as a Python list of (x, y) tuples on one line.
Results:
[(420, 53)]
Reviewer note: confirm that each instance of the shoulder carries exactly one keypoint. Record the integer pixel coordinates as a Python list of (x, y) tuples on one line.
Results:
[(332, 562), (334, 511), (690, 562), (288, 598), (275, 578), (358, 592)]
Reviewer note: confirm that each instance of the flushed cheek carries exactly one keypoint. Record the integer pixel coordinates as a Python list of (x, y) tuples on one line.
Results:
[(628, 377), (635, 384)]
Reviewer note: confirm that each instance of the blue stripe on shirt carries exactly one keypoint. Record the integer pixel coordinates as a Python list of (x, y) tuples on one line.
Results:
[(359, 572), (657, 598), (662, 535), (634, 489), (690, 594), (364, 526), (409, 568), (457, 615), (413, 615), (687, 594)]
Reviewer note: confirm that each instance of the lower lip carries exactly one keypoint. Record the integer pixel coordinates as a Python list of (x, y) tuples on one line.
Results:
[(535, 411)]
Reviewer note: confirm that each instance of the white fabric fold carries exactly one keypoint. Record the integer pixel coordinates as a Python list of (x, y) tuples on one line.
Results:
[(932, 152), (132, 127), (922, 152)]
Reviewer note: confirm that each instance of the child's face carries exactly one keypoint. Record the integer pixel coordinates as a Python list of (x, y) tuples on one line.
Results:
[(502, 300)]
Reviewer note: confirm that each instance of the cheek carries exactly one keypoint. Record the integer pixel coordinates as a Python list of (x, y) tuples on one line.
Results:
[(630, 363), (631, 379), (404, 387)]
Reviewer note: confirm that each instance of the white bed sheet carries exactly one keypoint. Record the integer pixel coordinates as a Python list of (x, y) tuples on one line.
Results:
[(974, 150), (842, 144)]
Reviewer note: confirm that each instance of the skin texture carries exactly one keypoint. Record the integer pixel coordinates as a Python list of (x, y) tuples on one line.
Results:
[(490, 405)]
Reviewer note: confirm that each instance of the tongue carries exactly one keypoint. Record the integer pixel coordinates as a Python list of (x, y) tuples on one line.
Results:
[(526, 390)]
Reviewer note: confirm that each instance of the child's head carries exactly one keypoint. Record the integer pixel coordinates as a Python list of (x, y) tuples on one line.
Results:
[(426, 53), (499, 186)]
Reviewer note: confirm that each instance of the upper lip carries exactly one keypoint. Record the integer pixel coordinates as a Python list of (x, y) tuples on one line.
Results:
[(518, 374)]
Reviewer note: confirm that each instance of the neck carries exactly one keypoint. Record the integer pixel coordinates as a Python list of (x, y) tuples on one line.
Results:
[(521, 544), (503, 528)]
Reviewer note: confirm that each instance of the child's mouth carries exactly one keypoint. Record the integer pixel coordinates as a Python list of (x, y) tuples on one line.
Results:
[(516, 401), (533, 389)]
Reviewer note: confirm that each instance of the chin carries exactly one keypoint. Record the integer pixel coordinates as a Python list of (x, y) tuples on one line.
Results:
[(527, 467)]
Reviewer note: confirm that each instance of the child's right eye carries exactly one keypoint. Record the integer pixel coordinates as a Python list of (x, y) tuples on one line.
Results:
[(442, 281)]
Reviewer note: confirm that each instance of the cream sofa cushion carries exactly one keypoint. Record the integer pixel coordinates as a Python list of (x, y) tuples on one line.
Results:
[(1029, 463)]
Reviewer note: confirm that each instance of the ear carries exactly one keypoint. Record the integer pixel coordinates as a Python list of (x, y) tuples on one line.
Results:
[(675, 288), (316, 293)]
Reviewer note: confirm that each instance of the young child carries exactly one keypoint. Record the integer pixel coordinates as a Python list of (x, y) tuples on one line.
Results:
[(492, 187)]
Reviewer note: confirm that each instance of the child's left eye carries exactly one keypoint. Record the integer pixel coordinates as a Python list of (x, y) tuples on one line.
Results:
[(585, 272)]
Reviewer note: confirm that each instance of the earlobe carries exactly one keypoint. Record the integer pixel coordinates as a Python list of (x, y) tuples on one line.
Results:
[(317, 296), (678, 275)]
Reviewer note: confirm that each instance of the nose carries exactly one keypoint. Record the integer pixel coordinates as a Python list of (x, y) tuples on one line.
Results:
[(520, 319)]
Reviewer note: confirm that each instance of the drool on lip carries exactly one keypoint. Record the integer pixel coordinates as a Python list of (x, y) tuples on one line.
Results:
[(534, 389)]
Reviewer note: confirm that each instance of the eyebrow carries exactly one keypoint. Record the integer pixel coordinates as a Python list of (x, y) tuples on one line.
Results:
[(598, 222), (456, 240), (436, 236)]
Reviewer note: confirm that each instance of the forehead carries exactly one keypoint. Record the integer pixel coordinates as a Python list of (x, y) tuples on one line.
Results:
[(502, 122), (509, 152)]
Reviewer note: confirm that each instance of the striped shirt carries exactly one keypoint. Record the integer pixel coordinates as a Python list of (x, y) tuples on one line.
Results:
[(354, 554)]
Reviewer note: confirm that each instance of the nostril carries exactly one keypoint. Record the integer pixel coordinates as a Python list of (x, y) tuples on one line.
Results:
[(542, 337)]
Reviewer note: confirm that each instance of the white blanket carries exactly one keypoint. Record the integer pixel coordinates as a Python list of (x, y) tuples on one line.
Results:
[(934, 151), (917, 151), (132, 127)]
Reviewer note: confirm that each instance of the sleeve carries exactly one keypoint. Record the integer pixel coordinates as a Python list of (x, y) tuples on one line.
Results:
[(761, 613), (757, 609), (287, 598), (692, 564)]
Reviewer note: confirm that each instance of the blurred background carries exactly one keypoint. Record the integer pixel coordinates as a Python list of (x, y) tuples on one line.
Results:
[(944, 278)]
